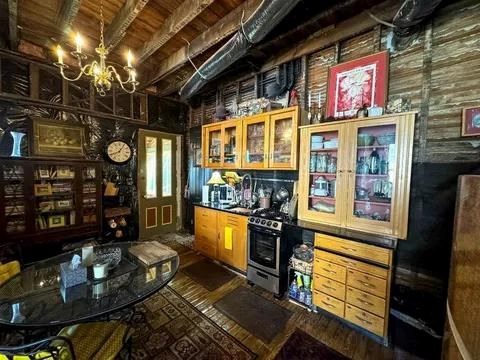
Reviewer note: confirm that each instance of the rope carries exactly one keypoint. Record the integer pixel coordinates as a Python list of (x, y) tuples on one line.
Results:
[(191, 62), (242, 28)]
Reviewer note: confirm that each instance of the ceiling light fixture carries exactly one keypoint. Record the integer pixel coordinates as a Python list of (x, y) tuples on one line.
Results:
[(102, 74)]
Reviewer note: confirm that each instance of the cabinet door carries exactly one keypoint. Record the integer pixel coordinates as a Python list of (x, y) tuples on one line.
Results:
[(206, 235), (231, 142), (212, 147), (232, 240), (283, 141), (379, 175), (255, 142), (323, 180)]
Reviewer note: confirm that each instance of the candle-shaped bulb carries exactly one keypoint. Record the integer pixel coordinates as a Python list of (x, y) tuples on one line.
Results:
[(79, 42), (60, 54), (133, 73), (129, 58)]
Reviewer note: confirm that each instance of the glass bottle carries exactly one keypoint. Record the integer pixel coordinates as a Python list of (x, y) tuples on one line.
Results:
[(374, 161), (313, 162), (293, 292)]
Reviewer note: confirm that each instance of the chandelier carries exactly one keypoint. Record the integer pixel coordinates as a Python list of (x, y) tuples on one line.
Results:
[(101, 74)]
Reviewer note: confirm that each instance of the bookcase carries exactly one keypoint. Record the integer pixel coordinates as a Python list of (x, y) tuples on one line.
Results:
[(49, 199)]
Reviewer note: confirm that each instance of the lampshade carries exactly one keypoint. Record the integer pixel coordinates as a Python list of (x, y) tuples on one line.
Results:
[(216, 179)]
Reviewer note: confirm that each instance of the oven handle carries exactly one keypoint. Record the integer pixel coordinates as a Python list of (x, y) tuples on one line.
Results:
[(259, 229)]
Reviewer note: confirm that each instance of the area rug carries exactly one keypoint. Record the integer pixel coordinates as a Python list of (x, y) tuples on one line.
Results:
[(301, 346), (171, 328), (171, 239), (208, 274), (259, 316)]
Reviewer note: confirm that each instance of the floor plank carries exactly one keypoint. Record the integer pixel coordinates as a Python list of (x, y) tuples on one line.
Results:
[(324, 328)]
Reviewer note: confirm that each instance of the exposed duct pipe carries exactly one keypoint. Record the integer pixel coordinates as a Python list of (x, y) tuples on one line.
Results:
[(411, 14), (258, 25)]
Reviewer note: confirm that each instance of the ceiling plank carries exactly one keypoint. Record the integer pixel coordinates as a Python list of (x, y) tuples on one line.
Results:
[(219, 31), (181, 16), (117, 29), (12, 23), (67, 15)]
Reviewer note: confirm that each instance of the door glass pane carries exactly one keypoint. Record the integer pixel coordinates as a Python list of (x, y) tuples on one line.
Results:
[(230, 145), (282, 141), (54, 190), (374, 178), (255, 143), (214, 146), (166, 167), (13, 176), (151, 166), (323, 171)]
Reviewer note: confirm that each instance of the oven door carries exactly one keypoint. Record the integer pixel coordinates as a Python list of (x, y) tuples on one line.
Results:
[(264, 249)]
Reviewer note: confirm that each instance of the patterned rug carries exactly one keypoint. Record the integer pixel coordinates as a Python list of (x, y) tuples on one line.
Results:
[(181, 238), (172, 328)]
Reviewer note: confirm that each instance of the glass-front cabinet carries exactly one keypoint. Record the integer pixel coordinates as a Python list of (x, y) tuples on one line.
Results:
[(49, 199), (255, 144), (283, 140), (356, 174), (222, 142)]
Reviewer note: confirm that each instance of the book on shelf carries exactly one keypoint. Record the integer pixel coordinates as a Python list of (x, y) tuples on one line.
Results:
[(152, 252)]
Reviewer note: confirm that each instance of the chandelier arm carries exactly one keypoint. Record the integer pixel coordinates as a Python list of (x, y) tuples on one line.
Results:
[(122, 83), (83, 71)]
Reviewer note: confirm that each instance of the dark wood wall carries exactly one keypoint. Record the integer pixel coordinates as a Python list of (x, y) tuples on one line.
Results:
[(438, 70)]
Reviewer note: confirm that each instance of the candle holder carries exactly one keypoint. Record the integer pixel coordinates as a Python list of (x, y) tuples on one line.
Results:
[(309, 115)]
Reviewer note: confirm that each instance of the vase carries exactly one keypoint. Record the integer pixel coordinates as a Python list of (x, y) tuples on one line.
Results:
[(17, 140)]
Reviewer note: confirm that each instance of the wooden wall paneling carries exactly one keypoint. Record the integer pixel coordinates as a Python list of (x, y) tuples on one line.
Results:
[(357, 47), (455, 68), (12, 23), (209, 103), (247, 89), (317, 74)]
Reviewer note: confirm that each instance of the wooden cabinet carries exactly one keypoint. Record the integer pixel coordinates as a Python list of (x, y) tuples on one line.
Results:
[(264, 141), (222, 236), (221, 145), (356, 173), (232, 240), (351, 286), (48, 199)]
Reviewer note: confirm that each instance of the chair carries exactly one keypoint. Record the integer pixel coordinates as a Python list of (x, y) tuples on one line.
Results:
[(51, 348)]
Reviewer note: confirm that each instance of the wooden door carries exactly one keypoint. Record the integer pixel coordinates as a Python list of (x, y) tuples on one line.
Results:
[(379, 174), (283, 140), (323, 177), (232, 239), (157, 182), (231, 144), (212, 146), (256, 132)]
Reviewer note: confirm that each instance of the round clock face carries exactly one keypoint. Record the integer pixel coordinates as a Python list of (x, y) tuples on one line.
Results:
[(119, 151)]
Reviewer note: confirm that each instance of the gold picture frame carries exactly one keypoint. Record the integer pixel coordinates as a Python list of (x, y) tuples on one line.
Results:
[(42, 189), (54, 138), (56, 221)]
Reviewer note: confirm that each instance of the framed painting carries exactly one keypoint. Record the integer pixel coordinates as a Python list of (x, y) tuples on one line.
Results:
[(53, 138), (471, 121), (356, 83)]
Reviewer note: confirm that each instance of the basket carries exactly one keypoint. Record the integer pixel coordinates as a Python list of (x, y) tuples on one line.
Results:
[(302, 266)]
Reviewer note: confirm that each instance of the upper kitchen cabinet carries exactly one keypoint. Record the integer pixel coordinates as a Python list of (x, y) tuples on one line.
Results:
[(263, 141), (356, 174), (270, 140), (221, 145)]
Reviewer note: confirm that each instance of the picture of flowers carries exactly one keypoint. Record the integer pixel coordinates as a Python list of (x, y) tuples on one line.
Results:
[(51, 138), (353, 84)]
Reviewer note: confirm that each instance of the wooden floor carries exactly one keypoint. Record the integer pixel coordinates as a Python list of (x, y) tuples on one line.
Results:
[(329, 331)]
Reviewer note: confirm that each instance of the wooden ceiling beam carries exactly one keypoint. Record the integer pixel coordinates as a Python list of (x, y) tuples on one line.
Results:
[(12, 23), (219, 31), (67, 15), (117, 29), (181, 16)]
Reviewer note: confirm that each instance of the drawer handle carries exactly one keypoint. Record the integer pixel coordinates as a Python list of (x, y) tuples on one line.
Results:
[(348, 262), (365, 302), (329, 271), (366, 284), (349, 249), (327, 304), (363, 320), (328, 287)]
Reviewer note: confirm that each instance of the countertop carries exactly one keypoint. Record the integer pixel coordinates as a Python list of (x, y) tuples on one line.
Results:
[(377, 240)]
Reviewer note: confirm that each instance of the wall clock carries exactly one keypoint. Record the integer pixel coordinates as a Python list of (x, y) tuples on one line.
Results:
[(118, 151)]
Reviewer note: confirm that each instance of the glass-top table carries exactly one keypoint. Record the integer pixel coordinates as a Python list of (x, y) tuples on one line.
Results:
[(36, 297)]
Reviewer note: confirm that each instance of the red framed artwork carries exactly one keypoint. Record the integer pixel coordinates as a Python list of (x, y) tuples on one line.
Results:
[(471, 121), (355, 83)]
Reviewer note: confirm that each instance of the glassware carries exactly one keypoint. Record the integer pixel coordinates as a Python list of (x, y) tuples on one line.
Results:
[(313, 162), (332, 165), (374, 162), (322, 162)]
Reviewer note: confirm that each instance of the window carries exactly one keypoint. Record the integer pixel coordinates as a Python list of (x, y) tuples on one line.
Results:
[(166, 167), (151, 165)]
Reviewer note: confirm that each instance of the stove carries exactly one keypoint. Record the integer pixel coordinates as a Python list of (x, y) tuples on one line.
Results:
[(268, 251)]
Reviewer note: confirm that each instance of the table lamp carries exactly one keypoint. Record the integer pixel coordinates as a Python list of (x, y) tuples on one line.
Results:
[(216, 180)]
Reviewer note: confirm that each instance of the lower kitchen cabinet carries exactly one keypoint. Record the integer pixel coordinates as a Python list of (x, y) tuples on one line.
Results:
[(352, 280), (221, 236)]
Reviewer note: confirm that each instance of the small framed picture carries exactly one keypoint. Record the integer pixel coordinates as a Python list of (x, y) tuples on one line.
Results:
[(56, 221), (54, 138), (43, 173), (471, 121), (43, 189), (63, 172)]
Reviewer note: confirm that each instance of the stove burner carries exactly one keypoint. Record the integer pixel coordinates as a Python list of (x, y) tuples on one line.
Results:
[(270, 214)]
